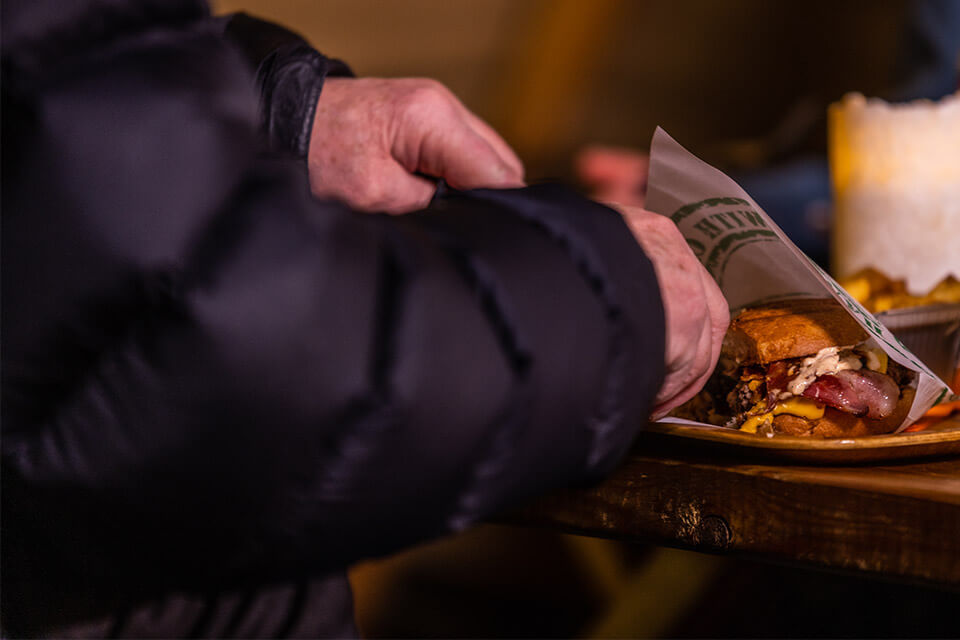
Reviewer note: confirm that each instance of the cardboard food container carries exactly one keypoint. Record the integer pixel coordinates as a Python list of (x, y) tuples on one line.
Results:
[(754, 262), (931, 332)]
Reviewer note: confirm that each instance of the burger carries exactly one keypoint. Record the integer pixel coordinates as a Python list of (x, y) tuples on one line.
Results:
[(803, 368)]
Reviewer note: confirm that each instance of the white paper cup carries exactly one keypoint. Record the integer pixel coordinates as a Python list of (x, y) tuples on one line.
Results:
[(895, 171)]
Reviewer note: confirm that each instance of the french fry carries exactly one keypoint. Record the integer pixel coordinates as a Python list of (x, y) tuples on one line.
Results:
[(942, 410), (946, 292), (877, 292)]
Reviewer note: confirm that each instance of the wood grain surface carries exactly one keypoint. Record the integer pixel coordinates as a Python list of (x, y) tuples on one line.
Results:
[(895, 519)]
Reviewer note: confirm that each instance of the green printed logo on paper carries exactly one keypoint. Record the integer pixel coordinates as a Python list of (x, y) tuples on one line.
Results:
[(686, 210), (721, 227), (697, 247)]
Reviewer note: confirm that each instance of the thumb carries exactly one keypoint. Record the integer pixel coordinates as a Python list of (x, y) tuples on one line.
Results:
[(466, 160)]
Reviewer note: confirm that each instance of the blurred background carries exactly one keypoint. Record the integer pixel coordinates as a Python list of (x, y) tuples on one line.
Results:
[(554, 75), (744, 84)]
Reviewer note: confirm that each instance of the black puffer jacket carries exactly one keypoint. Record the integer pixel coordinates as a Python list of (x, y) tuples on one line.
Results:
[(218, 392)]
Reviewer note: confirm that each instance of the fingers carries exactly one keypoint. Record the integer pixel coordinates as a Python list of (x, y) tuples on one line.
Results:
[(394, 190), (699, 366), (695, 310), (719, 320), (719, 316), (435, 134), (385, 187), (457, 153), (694, 364), (407, 193), (706, 352), (371, 136), (485, 131)]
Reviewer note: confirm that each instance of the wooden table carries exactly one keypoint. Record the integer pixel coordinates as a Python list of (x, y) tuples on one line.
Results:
[(895, 519)]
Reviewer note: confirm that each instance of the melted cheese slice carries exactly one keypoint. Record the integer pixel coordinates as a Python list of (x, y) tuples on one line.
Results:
[(802, 407)]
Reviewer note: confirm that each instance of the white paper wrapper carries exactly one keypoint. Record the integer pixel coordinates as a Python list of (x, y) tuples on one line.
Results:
[(751, 259)]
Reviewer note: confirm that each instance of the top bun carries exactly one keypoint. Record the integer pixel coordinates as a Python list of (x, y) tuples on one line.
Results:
[(790, 329)]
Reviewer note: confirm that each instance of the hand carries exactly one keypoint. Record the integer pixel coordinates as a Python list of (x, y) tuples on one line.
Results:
[(614, 174), (696, 312), (371, 136)]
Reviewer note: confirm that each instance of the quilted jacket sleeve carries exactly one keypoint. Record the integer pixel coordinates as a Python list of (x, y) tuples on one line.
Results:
[(289, 78), (210, 378)]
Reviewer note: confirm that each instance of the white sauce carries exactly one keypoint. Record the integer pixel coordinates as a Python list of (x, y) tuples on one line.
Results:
[(826, 361), (873, 360)]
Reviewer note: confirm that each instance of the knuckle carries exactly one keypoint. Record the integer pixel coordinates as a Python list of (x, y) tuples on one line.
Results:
[(406, 201), (426, 84), (674, 233), (661, 222), (723, 310), (644, 219), (426, 98), (670, 232), (370, 197)]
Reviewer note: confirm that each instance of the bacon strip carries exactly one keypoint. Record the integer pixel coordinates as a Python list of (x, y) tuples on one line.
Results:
[(862, 393), (778, 375)]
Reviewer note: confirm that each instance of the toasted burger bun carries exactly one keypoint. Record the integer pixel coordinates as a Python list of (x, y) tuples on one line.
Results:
[(837, 424), (790, 329)]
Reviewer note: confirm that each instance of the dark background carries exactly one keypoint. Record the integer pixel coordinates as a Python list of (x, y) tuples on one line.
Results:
[(743, 84), (553, 75)]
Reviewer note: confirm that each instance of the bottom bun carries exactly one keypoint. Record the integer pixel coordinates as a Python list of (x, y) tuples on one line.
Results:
[(838, 424)]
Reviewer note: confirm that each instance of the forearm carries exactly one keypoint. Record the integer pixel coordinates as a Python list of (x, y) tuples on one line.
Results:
[(387, 380)]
